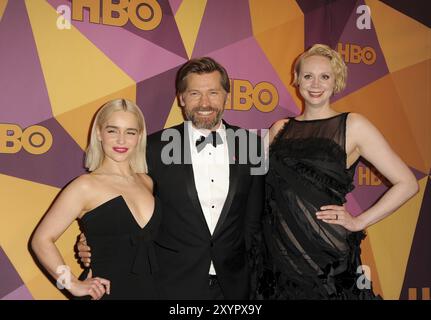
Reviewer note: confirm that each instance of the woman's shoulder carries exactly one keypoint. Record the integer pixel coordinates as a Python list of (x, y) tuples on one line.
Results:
[(276, 128), (146, 179), (83, 183), (356, 121), (81, 189), (279, 124)]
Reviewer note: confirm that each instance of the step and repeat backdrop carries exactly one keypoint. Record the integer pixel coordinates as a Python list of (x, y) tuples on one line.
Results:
[(61, 60)]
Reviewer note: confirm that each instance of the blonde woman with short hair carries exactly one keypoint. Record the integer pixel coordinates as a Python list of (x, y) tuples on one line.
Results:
[(313, 242)]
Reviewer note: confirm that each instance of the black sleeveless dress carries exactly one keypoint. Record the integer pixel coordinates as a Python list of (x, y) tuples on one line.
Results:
[(307, 258), (121, 251)]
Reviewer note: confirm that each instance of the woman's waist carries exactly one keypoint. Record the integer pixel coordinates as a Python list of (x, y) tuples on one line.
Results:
[(318, 173), (305, 186)]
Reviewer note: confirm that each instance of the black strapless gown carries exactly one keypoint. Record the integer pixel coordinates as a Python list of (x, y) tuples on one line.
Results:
[(306, 258), (121, 251)]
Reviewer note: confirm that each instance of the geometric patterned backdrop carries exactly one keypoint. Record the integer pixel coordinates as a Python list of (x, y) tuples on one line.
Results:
[(54, 77)]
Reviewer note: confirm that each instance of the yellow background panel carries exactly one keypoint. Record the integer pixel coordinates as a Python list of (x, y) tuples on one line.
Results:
[(391, 240), (29, 201), (268, 14), (281, 46), (3, 4), (380, 103), (188, 18), (413, 87), (404, 41), (76, 72), (367, 258), (77, 122), (175, 115)]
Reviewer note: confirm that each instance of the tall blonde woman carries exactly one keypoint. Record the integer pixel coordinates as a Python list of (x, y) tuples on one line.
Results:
[(115, 207), (313, 242)]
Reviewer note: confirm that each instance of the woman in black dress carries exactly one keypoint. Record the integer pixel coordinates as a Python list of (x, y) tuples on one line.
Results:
[(312, 241), (116, 210)]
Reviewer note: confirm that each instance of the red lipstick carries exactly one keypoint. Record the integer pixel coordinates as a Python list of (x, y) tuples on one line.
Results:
[(120, 149)]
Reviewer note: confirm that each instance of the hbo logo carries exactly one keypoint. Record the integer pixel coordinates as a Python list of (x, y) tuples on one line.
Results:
[(355, 54), (263, 96), (144, 14), (34, 139)]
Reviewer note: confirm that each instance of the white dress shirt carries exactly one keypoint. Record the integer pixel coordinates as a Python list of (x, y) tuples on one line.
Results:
[(211, 173)]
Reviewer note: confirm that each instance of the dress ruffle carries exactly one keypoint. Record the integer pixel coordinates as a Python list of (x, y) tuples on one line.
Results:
[(317, 169), (274, 284), (302, 257)]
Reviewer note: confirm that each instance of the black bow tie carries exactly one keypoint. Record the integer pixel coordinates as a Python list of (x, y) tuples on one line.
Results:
[(213, 138)]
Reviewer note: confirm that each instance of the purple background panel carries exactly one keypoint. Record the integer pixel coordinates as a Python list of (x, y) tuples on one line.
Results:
[(366, 195), (127, 50), (62, 163), (325, 20), (233, 59), (24, 99), (353, 206), (361, 74), (224, 22), (311, 5), (20, 293), (418, 275), (166, 35), (175, 4), (9, 278), (155, 97)]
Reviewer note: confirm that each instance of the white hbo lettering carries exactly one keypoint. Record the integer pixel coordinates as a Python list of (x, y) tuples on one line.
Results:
[(64, 278)]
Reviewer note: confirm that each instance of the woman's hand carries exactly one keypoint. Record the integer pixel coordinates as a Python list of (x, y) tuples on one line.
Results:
[(84, 251), (94, 287), (339, 215)]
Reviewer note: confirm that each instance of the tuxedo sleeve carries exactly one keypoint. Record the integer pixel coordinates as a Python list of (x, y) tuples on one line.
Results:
[(151, 156), (255, 201), (253, 229)]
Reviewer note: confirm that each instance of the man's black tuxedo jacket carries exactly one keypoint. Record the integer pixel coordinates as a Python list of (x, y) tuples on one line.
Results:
[(184, 245)]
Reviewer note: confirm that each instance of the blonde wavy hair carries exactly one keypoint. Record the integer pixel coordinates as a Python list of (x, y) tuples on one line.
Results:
[(338, 66), (94, 154)]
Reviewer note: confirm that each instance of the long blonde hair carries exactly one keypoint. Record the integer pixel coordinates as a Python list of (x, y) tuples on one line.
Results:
[(94, 154)]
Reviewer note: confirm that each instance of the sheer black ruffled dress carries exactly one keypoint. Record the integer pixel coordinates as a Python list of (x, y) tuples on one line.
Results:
[(307, 258)]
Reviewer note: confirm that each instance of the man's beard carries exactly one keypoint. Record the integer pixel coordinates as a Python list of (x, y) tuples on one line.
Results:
[(201, 123)]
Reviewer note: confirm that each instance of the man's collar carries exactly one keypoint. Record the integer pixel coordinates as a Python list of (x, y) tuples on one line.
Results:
[(197, 133)]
